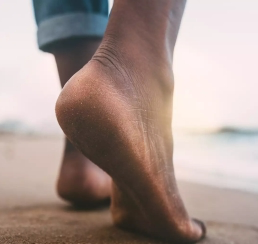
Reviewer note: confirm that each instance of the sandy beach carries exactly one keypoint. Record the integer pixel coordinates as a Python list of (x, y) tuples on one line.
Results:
[(30, 211)]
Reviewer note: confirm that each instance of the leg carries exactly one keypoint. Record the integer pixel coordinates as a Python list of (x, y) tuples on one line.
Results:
[(80, 181), (118, 111)]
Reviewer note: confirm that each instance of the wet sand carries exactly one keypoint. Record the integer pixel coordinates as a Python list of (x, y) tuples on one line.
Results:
[(30, 212)]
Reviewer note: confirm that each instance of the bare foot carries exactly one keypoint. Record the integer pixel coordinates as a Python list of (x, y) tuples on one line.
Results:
[(81, 182), (118, 111)]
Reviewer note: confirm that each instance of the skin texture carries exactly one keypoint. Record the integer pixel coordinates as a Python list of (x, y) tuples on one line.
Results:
[(80, 182), (118, 111)]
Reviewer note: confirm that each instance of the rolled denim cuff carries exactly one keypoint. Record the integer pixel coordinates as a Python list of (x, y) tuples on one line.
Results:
[(72, 25)]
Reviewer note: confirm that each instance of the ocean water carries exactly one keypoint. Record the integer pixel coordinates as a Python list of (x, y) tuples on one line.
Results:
[(227, 158)]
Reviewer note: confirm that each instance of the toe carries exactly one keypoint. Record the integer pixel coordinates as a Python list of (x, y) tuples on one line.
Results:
[(201, 226)]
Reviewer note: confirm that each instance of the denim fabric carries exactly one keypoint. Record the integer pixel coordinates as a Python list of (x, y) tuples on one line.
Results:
[(59, 20)]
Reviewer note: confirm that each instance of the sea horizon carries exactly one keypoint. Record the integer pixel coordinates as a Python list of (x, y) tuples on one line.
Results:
[(225, 157)]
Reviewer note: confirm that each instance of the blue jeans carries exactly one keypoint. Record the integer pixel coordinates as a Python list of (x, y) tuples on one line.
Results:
[(59, 20)]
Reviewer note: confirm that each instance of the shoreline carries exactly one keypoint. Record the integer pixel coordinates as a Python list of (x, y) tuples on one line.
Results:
[(182, 172)]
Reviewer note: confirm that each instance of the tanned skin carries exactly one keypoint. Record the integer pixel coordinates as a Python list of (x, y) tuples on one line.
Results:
[(117, 110), (80, 182)]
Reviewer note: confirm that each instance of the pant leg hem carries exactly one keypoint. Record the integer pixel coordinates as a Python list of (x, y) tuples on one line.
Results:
[(70, 25)]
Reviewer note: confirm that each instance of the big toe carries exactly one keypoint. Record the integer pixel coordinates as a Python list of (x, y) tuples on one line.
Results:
[(200, 229)]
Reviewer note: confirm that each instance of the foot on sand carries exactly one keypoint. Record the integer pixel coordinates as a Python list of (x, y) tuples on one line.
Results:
[(118, 110), (81, 182)]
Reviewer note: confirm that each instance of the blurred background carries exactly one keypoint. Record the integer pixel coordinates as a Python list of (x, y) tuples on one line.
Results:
[(215, 103)]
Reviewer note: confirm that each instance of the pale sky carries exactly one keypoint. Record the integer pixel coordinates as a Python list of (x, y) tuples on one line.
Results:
[(216, 77)]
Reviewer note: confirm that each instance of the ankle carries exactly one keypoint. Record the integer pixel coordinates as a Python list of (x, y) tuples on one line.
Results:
[(154, 27), (149, 29)]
